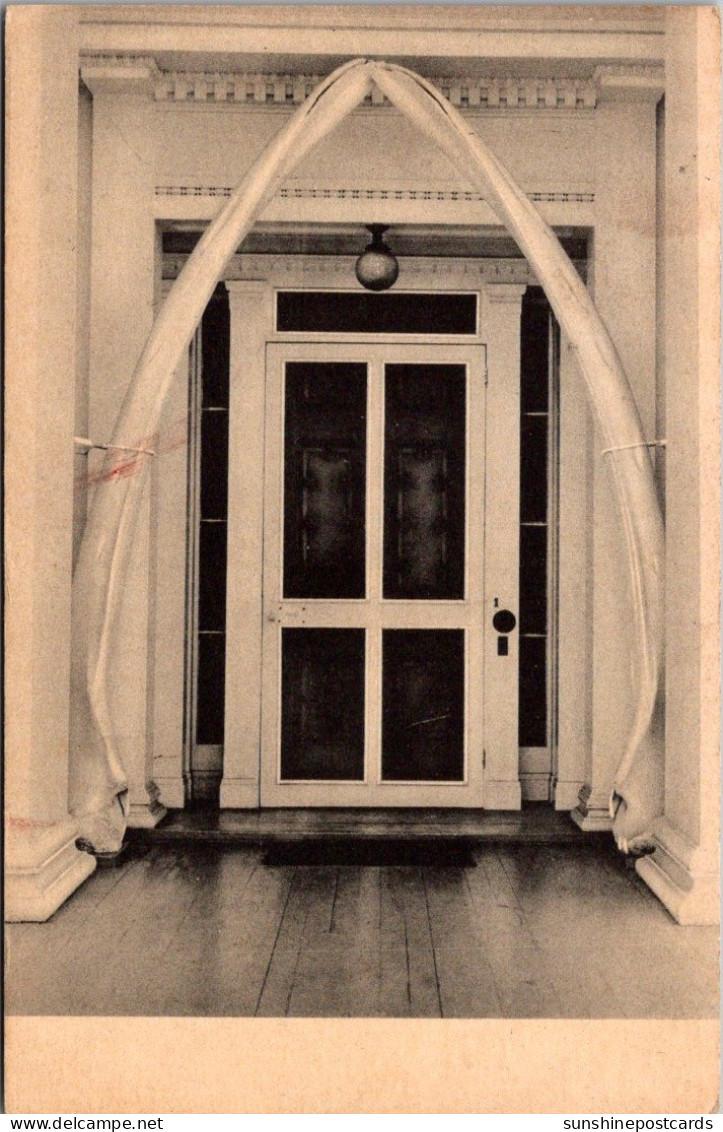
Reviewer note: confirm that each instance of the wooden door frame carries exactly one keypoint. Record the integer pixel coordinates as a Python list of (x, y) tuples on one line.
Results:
[(252, 308)]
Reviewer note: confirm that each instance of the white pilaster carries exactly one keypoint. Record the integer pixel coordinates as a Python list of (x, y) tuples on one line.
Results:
[(42, 865), (683, 871), (502, 540), (574, 637), (168, 602), (251, 325), (623, 283), (123, 280)]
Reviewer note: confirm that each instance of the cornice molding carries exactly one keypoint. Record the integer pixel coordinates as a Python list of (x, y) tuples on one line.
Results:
[(258, 90), (642, 82), (120, 74)]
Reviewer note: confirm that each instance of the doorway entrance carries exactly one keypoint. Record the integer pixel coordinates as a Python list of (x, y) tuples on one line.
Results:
[(360, 613), (374, 610)]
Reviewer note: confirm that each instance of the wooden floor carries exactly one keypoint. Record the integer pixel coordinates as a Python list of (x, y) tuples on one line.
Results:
[(515, 931)]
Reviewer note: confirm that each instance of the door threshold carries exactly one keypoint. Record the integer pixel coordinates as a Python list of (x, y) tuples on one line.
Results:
[(261, 828)]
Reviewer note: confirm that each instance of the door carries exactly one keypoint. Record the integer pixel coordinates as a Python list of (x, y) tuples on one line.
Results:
[(374, 611)]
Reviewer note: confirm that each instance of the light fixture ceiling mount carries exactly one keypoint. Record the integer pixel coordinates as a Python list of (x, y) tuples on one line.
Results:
[(377, 269)]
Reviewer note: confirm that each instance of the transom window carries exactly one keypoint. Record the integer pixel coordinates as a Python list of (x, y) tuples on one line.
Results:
[(361, 312)]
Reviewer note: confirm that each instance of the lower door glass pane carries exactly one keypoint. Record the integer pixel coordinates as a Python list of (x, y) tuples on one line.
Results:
[(322, 704), (423, 705)]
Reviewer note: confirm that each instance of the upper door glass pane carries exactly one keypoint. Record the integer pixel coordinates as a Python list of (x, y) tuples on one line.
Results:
[(325, 480), (424, 481)]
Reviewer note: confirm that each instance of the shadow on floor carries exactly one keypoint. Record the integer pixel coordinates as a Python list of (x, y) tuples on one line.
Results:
[(380, 853)]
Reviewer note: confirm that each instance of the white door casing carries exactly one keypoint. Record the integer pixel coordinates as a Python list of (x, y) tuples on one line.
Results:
[(492, 561)]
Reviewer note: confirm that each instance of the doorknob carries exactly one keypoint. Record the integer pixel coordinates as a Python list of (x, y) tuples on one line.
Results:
[(504, 621), (272, 616)]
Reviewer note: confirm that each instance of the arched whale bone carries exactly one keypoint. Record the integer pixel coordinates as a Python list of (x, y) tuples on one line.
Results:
[(97, 780), (637, 797), (98, 785)]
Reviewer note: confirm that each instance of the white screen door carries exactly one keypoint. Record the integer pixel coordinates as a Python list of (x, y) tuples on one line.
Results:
[(374, 577)]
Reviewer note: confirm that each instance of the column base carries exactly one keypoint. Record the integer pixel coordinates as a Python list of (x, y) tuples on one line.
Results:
[(148, 813), (592, 812), (42, 869), (502, 794), (682, 876), (239, 794), (535, 787), (567, 794), (171, 792), (593, 821)]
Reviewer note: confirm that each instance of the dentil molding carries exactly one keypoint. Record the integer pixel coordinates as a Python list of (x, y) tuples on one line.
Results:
[(504, 92)]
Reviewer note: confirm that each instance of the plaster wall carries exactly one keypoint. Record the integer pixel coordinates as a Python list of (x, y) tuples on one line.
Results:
[(623, 285), (124, 277), (82, 384), (214, 146)]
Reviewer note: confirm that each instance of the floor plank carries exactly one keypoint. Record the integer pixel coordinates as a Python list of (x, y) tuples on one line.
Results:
[(564, 916), (307, 911), (405, 921), (59, 971), (318, 987), (355, 931), (523, 986), (466, 980), (218, 957)]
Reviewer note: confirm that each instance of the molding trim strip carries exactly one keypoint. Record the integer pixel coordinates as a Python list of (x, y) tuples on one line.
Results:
[(288, 192), (252, 267), (256, 266)]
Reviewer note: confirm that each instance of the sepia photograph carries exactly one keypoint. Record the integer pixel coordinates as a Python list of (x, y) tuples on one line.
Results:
[(362, 644)]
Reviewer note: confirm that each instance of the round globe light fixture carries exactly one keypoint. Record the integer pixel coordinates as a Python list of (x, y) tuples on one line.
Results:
[(377, 269)]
